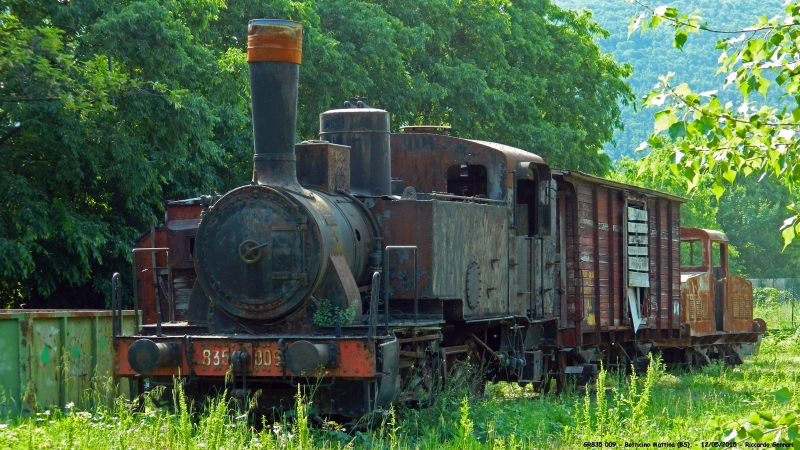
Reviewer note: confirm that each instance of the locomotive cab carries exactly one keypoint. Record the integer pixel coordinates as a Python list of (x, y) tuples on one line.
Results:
[(715, 300)]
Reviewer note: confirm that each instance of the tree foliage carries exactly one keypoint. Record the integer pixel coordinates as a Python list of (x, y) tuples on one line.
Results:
[(749, 136), (107, 108)]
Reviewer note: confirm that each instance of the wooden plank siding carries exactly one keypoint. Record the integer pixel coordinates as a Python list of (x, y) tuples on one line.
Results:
[(591, 214)]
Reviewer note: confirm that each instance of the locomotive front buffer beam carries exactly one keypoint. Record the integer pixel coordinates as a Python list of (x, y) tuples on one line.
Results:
[(268, 359)]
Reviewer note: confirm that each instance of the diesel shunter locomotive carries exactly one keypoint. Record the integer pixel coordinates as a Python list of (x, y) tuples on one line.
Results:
[(367, 263)]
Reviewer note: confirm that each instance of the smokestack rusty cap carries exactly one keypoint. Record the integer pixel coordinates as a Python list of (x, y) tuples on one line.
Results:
[(273, 40)]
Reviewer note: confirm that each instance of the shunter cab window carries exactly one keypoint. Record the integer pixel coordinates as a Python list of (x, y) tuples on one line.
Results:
[(467, 180), (716, 254), (691, 253)]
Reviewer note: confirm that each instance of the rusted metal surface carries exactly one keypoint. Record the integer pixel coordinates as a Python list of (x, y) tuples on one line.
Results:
[(211, 357), (429, 129), (181, 219), (257, 253), (451, 237), (52, 357), (150, 290), (261, 252), (323, 166), (465, 243), (423, 160), (739, 313), (729, 301), (698, 304), (271, 40), (366, 131)]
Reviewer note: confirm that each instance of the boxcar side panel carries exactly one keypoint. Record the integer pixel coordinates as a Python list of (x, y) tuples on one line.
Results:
[(624, 242)]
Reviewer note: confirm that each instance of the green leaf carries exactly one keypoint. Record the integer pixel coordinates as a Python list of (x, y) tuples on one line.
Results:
[(729, 175), (677, 130), (796, 114), (792, 432), (741, 433), (755, 433), (682, 90), (718, 190), (680, 38), (763, 86), (654, 21), (675, 170), (664, 120), (788, 237)]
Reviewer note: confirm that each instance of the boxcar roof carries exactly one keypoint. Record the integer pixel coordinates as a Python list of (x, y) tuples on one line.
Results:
[(602, 181)]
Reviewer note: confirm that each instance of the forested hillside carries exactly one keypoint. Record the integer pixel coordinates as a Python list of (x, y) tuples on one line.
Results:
[(652, 54)]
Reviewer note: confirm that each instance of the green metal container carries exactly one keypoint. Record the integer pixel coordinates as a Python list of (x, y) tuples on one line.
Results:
[(50, 358)]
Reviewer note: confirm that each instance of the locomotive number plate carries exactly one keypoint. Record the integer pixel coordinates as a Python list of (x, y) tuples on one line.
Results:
[(214, 358), (218, 357)]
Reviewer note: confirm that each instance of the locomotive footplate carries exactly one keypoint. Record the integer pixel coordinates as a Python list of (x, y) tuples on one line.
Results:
[(209, 356)]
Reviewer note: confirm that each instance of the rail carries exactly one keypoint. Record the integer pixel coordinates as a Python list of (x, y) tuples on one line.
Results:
[(170, 301), (386, 252)]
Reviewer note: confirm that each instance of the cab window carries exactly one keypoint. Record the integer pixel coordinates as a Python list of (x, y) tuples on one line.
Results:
[(467, 180)]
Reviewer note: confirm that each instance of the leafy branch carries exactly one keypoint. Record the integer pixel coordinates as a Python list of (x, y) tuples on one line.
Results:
[(723, 140)]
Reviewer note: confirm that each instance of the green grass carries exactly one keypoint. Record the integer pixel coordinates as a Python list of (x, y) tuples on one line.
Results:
[(654, 407)]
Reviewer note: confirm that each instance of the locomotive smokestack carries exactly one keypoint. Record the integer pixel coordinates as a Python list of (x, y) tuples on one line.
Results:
[(274, 49)]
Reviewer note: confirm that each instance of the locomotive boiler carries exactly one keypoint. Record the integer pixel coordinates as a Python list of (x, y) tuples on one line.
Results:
[(374, 265)]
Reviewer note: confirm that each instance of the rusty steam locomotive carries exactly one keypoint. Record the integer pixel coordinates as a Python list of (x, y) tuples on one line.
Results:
[(368, 263)]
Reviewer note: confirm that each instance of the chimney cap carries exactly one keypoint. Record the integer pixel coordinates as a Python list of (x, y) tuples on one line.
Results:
[(274, 40)]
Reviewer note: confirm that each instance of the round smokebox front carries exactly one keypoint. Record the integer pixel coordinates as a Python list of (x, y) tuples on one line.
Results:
[(257, 253)]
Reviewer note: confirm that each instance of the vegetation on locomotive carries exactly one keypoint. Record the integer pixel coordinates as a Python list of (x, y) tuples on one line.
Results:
[(368, 263)]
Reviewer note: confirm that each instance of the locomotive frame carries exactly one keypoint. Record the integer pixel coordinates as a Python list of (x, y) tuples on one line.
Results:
[(417, 249)]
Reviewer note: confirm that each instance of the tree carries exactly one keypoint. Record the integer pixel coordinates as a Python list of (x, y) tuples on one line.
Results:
[(734, 138), (107, 109), (110, 107)]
